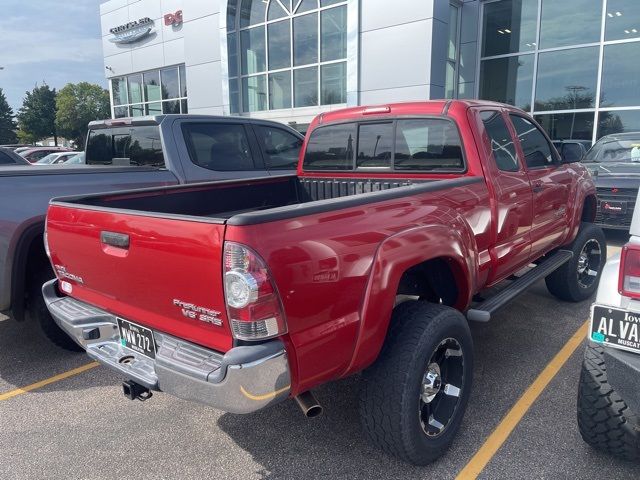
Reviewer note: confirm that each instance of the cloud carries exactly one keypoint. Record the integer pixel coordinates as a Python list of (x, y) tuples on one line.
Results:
[(52, 41)]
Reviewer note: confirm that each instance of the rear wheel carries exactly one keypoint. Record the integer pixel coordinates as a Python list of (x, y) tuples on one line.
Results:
[(37, 310), (415, 395), (578, 279), (604, 419)]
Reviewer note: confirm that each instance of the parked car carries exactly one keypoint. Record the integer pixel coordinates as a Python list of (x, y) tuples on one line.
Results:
[(123, 154), (33, 154), (77, 159), (572, 150), (608, 394), (56, 158), (9, 157), (240, 294), (614, 162)]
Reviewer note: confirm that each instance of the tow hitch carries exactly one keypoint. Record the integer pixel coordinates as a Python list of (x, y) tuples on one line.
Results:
[(135, 391)]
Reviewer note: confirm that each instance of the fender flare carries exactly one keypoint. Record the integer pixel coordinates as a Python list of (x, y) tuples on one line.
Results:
[(391, 260)]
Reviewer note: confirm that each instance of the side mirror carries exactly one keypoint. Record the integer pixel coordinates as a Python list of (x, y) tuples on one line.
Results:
[(571, 153)]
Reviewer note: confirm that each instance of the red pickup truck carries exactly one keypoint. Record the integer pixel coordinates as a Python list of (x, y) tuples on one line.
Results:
[(240, 294)]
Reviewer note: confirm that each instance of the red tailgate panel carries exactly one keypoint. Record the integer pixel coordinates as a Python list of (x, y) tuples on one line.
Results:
[(168, 259)]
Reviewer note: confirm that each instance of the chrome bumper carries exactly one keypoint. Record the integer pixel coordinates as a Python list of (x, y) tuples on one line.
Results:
[(243, 380)]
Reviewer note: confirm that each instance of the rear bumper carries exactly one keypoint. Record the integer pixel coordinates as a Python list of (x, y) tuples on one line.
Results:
[(243, 380), (623, 374)]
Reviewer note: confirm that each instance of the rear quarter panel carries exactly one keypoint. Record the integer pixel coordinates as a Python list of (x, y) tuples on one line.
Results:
[(337, 272)]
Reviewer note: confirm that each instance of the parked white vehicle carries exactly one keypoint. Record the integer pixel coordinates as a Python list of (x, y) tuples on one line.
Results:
[(56, 158), (77, 159), (609, 389)]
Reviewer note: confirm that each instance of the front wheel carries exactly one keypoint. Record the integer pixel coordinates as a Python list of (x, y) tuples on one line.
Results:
[(578, 279), (415, 395)]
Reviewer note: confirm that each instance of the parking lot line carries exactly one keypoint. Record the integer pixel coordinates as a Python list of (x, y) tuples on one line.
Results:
[(497, 438), (47, 381)]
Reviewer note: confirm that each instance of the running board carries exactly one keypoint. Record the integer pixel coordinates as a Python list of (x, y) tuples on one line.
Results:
[(482, 312)]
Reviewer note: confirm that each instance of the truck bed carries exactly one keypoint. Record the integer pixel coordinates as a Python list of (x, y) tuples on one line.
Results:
[(244, 202)]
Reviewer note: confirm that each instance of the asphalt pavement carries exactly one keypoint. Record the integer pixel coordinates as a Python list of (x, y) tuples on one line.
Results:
[(83, 427)]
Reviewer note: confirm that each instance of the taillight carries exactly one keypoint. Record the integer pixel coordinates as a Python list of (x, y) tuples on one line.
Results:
[(253, 304), (629, 277)]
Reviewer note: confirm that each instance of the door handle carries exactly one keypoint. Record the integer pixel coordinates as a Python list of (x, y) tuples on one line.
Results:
[(538, 187)]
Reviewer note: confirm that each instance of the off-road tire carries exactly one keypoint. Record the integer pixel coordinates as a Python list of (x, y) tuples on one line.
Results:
[(37, 311), (563, 282), (604, 419), (390, 396)]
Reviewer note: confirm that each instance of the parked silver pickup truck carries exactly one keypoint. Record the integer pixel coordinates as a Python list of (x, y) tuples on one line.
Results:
[(124, 154)]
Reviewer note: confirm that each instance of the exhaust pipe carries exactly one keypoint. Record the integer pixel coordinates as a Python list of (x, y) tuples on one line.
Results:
[(308, 404)]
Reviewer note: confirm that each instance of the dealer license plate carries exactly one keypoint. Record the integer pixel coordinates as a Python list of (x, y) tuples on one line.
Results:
[(137, 338), (615, 328), (613, 207)]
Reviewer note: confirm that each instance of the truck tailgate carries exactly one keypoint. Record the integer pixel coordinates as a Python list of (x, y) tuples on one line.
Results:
[(168, 278)]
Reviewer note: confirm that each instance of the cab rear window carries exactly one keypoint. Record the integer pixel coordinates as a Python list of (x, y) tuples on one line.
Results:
[(411, 144), (125, 146)]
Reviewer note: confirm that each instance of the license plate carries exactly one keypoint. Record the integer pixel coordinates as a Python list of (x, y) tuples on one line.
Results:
[(613, 208), (137, 338), (615, 328)]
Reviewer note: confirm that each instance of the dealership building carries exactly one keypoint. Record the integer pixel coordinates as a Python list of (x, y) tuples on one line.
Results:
[(572, 64)]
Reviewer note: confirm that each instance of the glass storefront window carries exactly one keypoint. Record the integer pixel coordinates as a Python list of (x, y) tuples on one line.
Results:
[(252, 12), (305, 39), (170, 88), (568, 126), (508, 80), (150, 93), (333, 28), (567, 79), (334, 79), (152, 86), (119, 89), (621, 75), (299, 48), (134, 86), (305, 87), (279, 49), (570, 23), (509, 26), (618, 122), (622, 20), (452, 54), (280, 90), (254, 93), (253, 51)]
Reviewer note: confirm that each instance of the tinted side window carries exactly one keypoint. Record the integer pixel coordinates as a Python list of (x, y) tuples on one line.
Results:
[(280, 148), (375, 144), (129, 146), (537, 151), (428, 144), (6, 159), (504, 151), (331, 148), (219, 146)]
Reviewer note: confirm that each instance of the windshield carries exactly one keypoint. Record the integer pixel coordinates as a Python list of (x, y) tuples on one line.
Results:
[(615, 151), (48, 160)]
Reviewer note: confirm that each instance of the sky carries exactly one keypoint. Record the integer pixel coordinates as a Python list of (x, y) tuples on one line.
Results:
[(52, 41)]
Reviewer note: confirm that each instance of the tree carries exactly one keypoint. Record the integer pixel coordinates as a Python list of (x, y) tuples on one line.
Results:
[(36, 118), (7, 124), (78, 104)]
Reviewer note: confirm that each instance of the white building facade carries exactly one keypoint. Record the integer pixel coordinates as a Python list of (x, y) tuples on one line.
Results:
[(570, 64)]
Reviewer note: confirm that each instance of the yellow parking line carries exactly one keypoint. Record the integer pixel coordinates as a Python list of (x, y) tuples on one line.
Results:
[(493, 443), (47, 381)]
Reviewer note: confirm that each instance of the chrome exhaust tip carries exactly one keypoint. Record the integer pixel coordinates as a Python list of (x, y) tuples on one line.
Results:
[(309, 405)]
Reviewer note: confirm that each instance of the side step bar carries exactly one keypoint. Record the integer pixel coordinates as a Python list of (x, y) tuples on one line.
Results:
[(482, 312)]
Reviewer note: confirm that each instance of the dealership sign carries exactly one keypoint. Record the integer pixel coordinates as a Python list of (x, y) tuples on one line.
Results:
[(132, 31)]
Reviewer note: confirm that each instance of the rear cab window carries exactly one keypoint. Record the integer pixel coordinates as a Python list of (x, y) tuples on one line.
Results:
[(411, 144), (125, 146)]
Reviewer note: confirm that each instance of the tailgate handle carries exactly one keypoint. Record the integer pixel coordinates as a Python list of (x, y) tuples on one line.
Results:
[(119, 240)]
